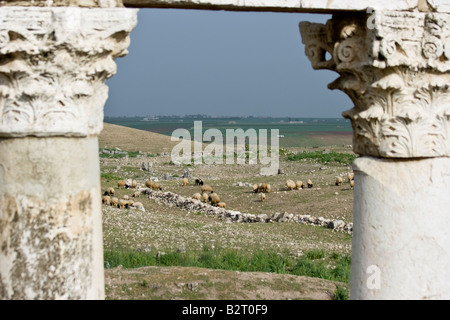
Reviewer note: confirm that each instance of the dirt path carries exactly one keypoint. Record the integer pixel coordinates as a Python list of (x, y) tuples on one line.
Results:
[(180, 283)]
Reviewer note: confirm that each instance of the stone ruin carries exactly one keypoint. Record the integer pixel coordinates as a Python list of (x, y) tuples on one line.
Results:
[(393, 61)]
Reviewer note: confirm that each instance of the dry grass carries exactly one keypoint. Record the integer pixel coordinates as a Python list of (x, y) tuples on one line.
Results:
[(130, 139), (190, 283)]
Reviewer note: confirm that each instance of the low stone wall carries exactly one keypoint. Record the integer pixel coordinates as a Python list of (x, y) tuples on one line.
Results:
[(174, 200)]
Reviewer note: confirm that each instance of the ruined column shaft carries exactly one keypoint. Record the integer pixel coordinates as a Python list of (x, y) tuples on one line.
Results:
[(395, 67), (53, 66)]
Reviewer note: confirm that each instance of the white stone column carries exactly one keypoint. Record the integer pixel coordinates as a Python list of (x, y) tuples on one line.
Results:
[(54, 62), (395, 66)]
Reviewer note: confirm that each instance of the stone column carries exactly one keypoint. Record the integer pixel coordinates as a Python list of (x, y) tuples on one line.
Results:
[(54, 62), (395, 68)]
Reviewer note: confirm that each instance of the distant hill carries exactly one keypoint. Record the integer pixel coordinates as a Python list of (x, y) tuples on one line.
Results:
[(130, 139)]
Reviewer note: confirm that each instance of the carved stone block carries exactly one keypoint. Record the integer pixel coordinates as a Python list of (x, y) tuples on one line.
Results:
[(53, 66), (395, 67)]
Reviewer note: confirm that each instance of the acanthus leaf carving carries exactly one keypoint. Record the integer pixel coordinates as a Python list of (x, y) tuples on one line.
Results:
[(55, 62), (397, 73)]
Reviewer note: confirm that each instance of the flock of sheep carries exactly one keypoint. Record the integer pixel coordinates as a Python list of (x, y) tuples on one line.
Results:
[(206, 193), (124, 202), (350, 178)]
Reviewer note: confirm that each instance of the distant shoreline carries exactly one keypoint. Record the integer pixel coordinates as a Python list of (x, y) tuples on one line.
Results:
[(293, 131)]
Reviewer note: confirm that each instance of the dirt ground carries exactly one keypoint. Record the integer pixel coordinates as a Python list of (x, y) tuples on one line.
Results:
[(187, 283)]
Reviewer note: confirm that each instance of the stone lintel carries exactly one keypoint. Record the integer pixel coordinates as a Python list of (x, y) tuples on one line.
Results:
[(321, 6)]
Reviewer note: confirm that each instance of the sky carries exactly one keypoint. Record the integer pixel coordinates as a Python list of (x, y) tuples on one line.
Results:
[(221, 63)]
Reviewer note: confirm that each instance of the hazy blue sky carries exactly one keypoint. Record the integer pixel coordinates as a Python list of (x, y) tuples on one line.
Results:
[(221, 63)]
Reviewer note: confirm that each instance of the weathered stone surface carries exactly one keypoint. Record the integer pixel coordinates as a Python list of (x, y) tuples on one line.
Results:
[(63, 3), (401, 242), (50, 219), (55, 62), (395, 67)]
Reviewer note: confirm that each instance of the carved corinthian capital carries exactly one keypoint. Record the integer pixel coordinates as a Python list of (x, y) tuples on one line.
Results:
[(53, 66), (395, 67)]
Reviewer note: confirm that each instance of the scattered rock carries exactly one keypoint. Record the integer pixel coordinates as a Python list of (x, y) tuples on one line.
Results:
[(147, 166), (167, 176), (174, 200)]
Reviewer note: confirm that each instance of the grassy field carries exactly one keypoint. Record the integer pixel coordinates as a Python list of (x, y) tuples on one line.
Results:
[(167, 240)]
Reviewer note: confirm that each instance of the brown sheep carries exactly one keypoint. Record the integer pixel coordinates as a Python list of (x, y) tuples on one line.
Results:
[(205, 197), (262, 187), (299, 185), (129, 203), (197, 196), (114, 201), (148, 184), (222, 204), (106, 200), (268, 188), (207, 188), (290, 185), (214, 198), (122, 203), (185, 182), (109, 192), (121, 183), (134, 184), (156, 186), (338, 181), (310, 184)]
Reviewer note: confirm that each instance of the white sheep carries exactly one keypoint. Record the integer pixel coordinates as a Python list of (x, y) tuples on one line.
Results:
[(138, 205), (350, 176), (114, 201), (137, 194), (197, 196), (290, 185), (122, 203)]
